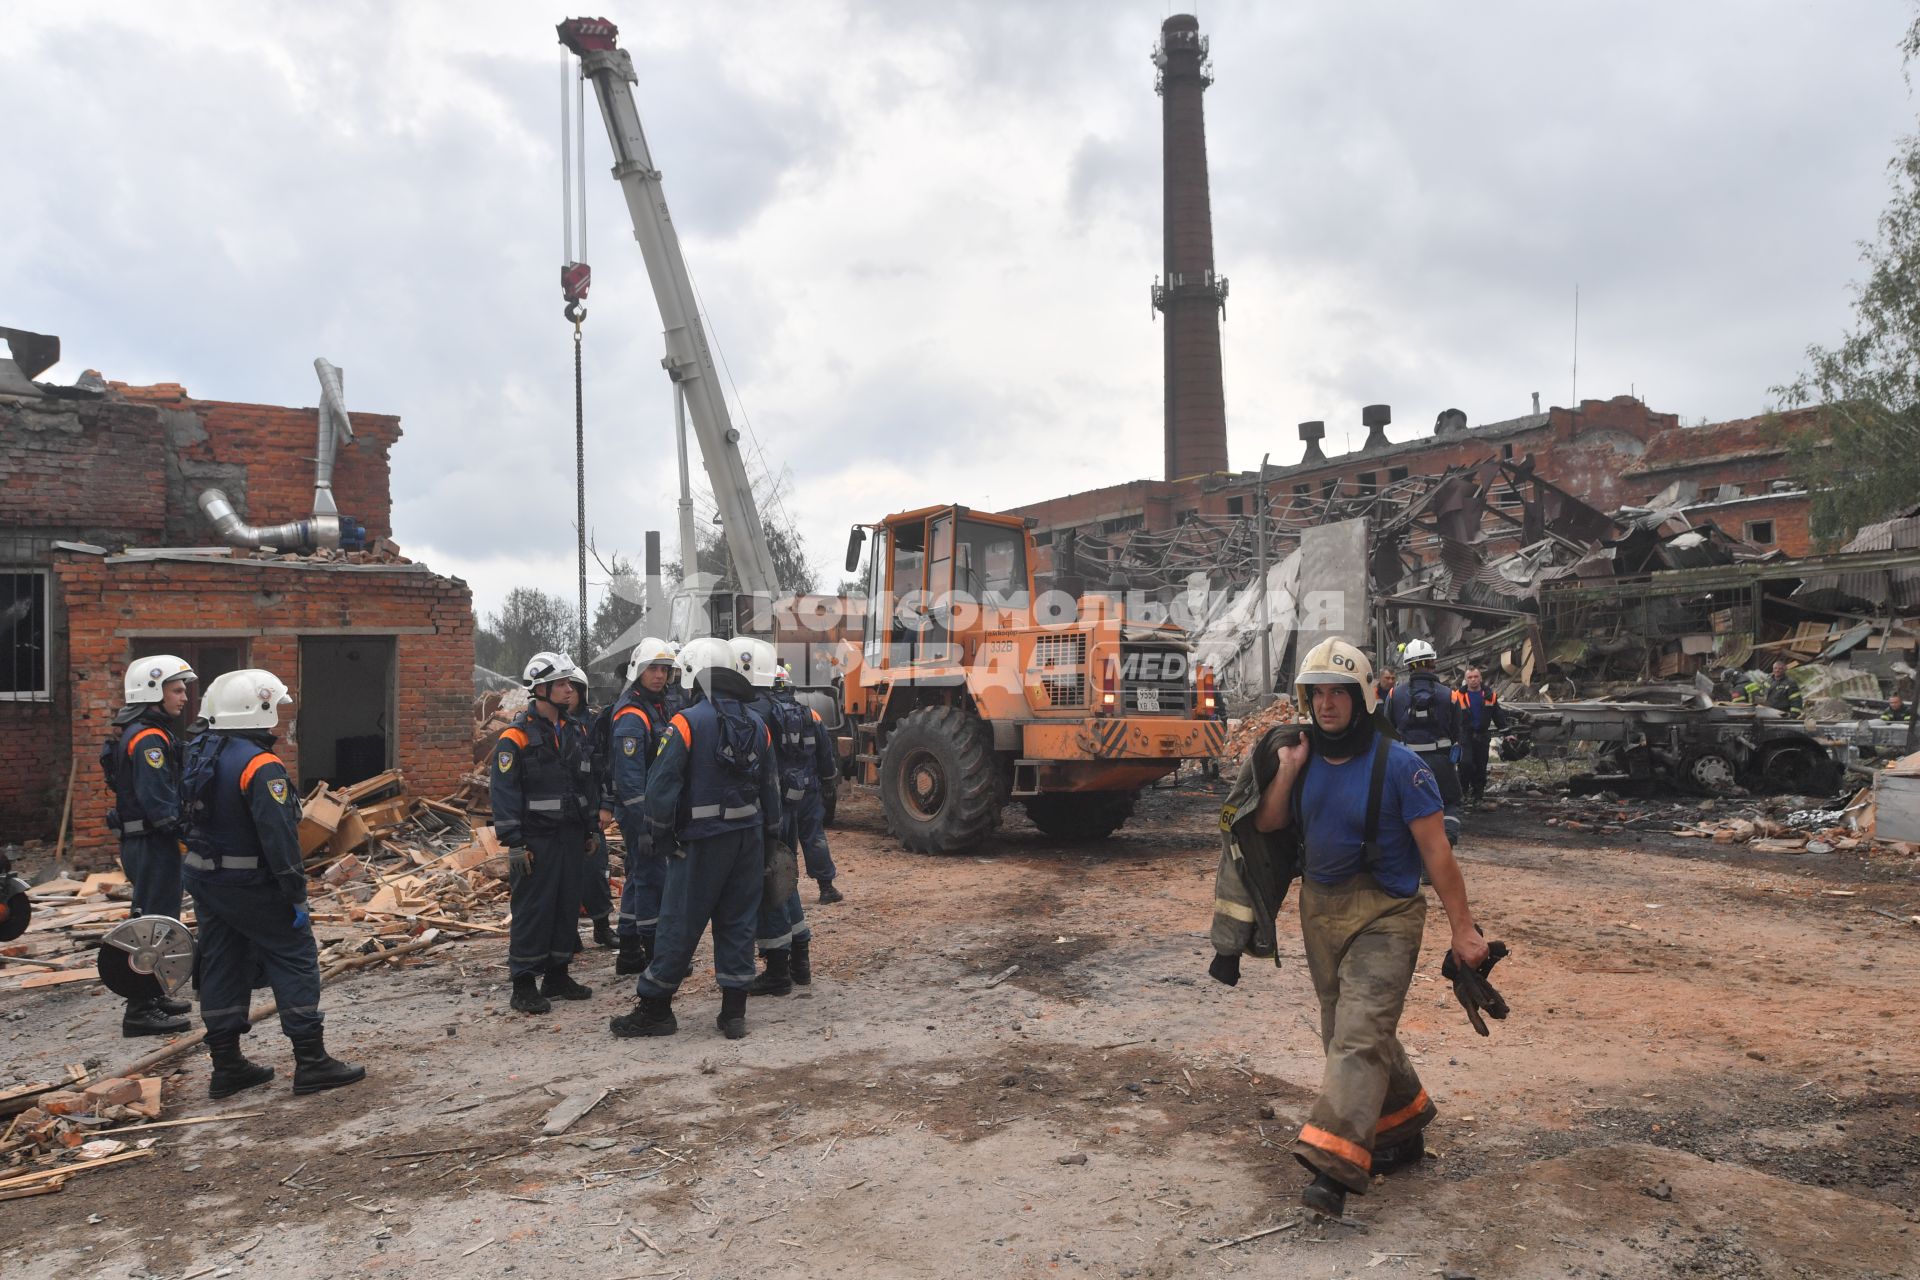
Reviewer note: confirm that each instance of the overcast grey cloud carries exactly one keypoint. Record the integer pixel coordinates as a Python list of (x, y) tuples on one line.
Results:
[(925, 234)]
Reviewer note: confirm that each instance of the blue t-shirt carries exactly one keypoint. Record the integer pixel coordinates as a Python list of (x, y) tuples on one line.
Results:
[(1333, 802)]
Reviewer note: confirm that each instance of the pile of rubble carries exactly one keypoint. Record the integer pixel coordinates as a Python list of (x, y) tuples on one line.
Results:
[(1247, 730), (58, 1130)]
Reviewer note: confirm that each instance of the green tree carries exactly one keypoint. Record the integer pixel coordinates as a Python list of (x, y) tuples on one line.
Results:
[(1866, 464), (620, 606), (528, 621)]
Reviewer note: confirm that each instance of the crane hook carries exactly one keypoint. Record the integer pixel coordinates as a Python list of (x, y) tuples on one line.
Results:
[(574, 311)]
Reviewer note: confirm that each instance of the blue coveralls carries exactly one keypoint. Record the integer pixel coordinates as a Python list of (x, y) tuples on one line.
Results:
[(545, 801), (596, 895), (244, 871), (807, 760), (783, 922), (1431, 730), (639, 725), (713, 827), (145, 776), (1480, 714)]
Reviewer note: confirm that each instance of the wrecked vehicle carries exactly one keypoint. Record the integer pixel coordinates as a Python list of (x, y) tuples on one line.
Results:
[(1675, 736)]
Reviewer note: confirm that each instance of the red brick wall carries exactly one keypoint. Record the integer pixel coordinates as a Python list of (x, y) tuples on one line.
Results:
[(82, 469), (276, 446), (33, 767), (434, 676)]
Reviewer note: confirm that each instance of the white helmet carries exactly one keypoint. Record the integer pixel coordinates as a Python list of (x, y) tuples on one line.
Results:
[(1418, 651), (703, 655), (147, 678), (647, 653), (578, 679), (249, 699), (1334, 661), (783, 676), (755, 659), (544, 668)]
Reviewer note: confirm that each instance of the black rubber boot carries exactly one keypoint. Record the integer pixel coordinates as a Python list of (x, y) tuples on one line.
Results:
[(733, 1011), (558, 984), (603, 933), (168, 1005), (829, 894), (1325, 1197), (802, 965), (231, 1070), (315, 1069), (633, 955), (653, 1016), (1400, 1154), (526, 997), (774, 980), (146, 1018)]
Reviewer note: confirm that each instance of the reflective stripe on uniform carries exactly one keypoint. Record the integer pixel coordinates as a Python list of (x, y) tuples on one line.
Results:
[(794, 793), (254, 766), (1427, 748), (1233, 911), (715, 811), (1335, 1145), (133, 828), (134, 741), (200, 863), (775, 944), (1404, 1114), (545, 806)]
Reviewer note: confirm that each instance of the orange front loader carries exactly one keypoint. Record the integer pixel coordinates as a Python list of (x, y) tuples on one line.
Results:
[(970, 689)]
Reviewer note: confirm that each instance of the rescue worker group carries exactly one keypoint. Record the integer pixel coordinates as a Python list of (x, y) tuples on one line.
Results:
[(714, 772)]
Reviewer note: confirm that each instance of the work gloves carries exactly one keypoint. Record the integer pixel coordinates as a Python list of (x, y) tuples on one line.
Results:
[(300, 917), (1225, 969), (520, 860), (1471, 988)]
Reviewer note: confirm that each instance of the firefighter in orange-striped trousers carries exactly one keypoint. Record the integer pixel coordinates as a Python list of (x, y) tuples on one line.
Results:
[(1367, 812)]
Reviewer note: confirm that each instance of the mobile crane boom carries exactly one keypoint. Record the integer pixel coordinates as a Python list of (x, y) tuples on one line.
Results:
[(689, 358)]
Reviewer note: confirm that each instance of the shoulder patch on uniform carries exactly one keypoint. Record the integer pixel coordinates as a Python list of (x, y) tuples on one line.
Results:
[(1423, 777), (505, 761), (277, 788), (156, 757), (629, 745)]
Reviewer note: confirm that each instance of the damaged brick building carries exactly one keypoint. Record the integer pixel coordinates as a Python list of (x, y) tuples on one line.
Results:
[(106, 552)]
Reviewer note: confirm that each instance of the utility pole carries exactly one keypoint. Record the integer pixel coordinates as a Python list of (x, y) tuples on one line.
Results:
[(1266, 626)]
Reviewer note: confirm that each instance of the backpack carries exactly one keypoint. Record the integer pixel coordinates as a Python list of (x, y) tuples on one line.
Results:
[(196, 780), (796, 760), (742, 742), (600, 737), (1420, 712)]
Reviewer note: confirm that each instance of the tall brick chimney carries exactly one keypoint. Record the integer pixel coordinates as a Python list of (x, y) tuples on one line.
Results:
[(1189, 294)]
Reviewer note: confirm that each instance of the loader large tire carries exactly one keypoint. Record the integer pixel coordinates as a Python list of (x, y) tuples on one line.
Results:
[(1081, 815), (939, 781)]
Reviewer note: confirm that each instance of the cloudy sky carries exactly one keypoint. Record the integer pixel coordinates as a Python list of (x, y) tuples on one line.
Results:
[(925, 234)]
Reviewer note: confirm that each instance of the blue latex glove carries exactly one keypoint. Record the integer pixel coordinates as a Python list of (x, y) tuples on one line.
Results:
[(300, 917)]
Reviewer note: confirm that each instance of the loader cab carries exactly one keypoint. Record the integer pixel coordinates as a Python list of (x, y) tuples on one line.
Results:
[(936, 578)]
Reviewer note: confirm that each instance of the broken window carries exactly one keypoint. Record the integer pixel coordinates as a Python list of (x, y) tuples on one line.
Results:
[(1236, 506), (1506, 451), (1396, 474), (25, 670), (1709, 493), (1330, 488), (1369, 482), (1760, 532), (1300, 491)]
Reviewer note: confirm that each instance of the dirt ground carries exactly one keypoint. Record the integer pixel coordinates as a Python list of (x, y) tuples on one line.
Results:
[(1709, 1071)]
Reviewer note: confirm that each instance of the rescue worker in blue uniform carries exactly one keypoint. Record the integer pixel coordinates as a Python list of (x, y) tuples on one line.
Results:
[(545, 798), (141, 759), (639, 725), (713, 800), (783, 936), (1426, 719), (596, 894), (806, 750), (249, 887), (1480, 716)]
